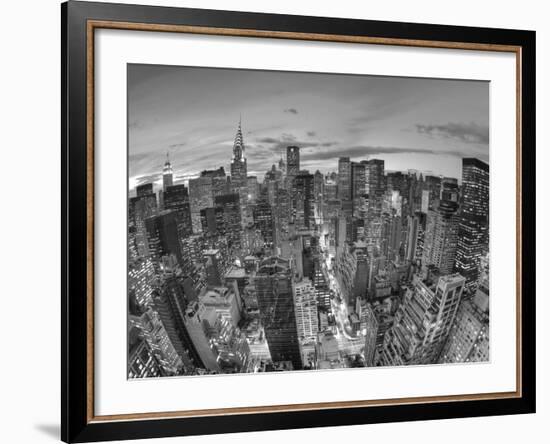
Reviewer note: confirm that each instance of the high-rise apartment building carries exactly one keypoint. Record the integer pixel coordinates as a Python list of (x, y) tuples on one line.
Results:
[(273, 285), (469, 337), (422, 322)]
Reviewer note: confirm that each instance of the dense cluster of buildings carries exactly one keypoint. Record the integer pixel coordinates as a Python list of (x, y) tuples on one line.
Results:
[(300, 271)]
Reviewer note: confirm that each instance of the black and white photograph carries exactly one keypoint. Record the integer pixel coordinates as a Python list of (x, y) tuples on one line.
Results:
[(286, 221)]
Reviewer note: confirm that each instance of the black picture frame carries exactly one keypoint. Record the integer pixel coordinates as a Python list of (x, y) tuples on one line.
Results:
[(76, 423)]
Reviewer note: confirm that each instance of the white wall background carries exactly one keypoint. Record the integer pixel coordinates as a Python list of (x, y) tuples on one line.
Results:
[(30, 221)]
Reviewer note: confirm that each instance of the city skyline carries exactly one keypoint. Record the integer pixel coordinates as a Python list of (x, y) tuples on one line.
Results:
[(424, 121), (317, 257)]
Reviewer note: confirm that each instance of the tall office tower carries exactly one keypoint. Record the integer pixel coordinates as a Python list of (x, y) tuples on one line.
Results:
[(432, 184), (469, 338), (358, 193), (344, 178), (474, 220), (212, 221), (330, 189), (263, 219), (171, 304), (176, 198), (273, 180), (292, 161), (304, 200), (141, 280), (392, 234), (281, 216), (318, 190), (305, 306), (167, 174), (252, 189), (142, 363), (352, 273), (139, 209), (441, 237), (396, 181), (358, 180), (292, 170), (273, 285), (163, 237), (220, 182), (200, 196), (230, 220), (422, 322), (375, 185)]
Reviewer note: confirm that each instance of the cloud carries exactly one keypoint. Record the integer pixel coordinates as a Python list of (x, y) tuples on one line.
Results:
[(277, 144), (136, 124), (291, 110), (311, 133), (138, 157), (366, 151), (177, 145), (466, 133), (150, 178)]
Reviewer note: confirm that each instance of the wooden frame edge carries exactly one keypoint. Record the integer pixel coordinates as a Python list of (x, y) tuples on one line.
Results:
[(91, 25)]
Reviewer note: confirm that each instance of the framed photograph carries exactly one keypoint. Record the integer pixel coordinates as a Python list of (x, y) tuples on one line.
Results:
[(275, 221)]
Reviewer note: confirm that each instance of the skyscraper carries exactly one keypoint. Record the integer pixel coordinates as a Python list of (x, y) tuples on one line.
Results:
[(145, 189), (263, 219), (176, 198), (344, 178), (231, 222), (292, 161), (239, 180), (171, 305), (305, 200), (474, 220), (163, 237), (375, 184), (200, 196), (273, 284), (167, 174), (141, 207), (358, 188), (441, 237)]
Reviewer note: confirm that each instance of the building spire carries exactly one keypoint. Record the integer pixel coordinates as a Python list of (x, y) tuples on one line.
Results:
[(238, 146)]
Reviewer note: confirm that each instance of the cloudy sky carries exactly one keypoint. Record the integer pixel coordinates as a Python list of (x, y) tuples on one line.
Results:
[(192, 113)]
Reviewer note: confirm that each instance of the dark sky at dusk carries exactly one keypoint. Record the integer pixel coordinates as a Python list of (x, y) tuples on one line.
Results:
[(192, 113)]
